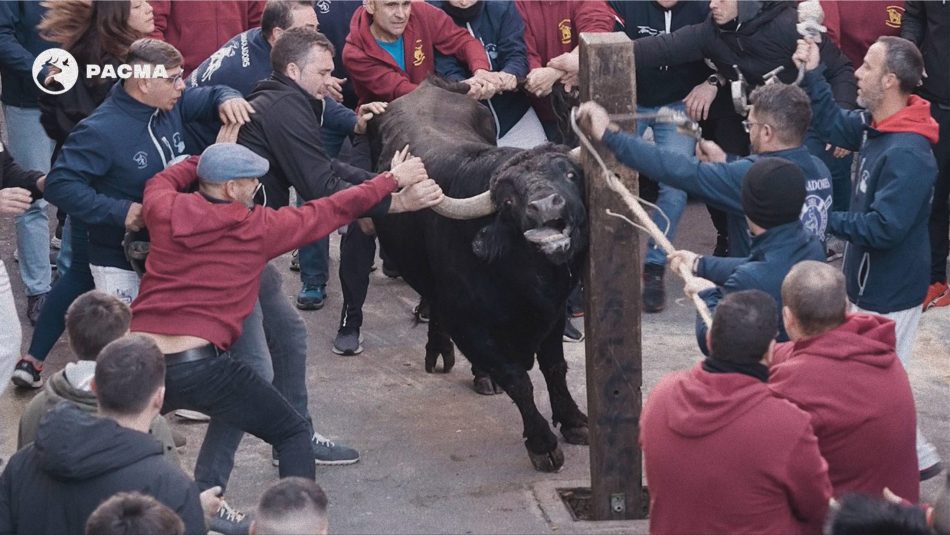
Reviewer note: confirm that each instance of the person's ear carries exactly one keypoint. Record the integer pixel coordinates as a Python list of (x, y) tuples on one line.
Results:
[(767, 358), (92, 385), (276, 33), (159, 398), (788, 319), (709, 344), (292, 71), (369, 6)]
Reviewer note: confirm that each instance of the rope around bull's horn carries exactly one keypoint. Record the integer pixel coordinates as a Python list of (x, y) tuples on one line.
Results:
[(634, 202)]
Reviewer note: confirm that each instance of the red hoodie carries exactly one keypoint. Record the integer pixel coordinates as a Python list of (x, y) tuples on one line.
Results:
[(855, 26), (723, 455), (206, 259), (914, 118), (862, 409), (377, 76), (552, 28)]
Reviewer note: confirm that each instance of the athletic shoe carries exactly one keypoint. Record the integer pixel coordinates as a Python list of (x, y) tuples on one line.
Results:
[(654, 292), (938, 292), (230, 521), (571, 333), (311, 297), (421, 311), (25, 375), (295, 260), (326, 452), (348, 342), (194, 416)]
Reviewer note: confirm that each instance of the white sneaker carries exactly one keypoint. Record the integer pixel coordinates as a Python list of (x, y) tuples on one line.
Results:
[(194, 416)]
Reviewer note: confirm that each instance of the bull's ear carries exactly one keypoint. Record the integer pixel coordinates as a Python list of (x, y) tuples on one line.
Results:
[(489, 243)]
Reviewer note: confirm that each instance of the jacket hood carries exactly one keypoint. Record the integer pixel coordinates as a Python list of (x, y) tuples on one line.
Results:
[(58, 388), (863, 338), (74, 445), (915, 118), (703, 402)]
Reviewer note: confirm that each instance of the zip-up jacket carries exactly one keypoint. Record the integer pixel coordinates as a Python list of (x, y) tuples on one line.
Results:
[(774, 253), (335, 16), (20, 43), (377, 76), (720, 184), (241, 64), (927, 24), (500, 29), (887, 260), (106, 160), (285, 129)]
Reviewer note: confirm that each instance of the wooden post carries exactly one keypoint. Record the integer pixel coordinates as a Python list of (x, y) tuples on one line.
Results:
[(612, 290)]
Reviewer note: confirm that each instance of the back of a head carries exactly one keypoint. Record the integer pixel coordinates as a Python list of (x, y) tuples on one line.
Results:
[(294, 46), (858, 514), (816, 295), (786, 108), (292, 506), (773, 192), (904, 59), (131, 513), (128, 373), (279, 14), (744, 325), (93, 320)]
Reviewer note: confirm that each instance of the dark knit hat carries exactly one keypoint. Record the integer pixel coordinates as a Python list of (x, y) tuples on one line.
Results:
[(773, 192)]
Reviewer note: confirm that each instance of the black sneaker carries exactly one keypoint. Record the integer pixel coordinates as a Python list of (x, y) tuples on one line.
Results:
[(654, 291), (390, 271), (348, 342), (326, 452), (295, 260), (230, 521), (571, 333), (421, 311), (722, 246), (34, 304), (25, 375)]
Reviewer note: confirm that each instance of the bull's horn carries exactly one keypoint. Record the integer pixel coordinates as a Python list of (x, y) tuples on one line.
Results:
[(470, 208), (575, 154)]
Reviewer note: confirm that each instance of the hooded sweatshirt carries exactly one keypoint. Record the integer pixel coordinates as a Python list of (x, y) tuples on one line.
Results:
[(77, 462), (377, 76), (887, 260), (851, 382), (206, 258), (72, 384), (723, 455)]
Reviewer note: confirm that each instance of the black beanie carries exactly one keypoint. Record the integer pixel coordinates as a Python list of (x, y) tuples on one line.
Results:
[(773, 192)]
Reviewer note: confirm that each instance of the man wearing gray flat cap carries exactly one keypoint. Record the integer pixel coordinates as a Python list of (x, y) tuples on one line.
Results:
[(208, 250)]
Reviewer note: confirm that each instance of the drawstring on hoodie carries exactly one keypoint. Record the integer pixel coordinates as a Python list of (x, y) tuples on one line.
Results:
[(494, 114), (158, 146)]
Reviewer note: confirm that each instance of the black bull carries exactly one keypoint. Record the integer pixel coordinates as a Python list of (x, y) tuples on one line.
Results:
[(497, 284)]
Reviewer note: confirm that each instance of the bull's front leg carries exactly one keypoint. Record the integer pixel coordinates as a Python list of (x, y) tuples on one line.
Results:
[(439, 344), (564, 409), (540, 442)]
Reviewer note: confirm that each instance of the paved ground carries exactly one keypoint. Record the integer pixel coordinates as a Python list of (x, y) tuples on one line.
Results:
[(438, 458)]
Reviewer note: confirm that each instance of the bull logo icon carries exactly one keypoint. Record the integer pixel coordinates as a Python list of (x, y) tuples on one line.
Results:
[(566, 33), (141, 159), (418, 56), (323, 6), (55, 71), (895, 15)]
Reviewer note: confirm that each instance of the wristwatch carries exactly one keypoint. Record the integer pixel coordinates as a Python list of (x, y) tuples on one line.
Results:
[(716, 80)]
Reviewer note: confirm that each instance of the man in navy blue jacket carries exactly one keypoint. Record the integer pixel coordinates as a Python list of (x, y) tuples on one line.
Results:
[(777, 124), (887, 259)]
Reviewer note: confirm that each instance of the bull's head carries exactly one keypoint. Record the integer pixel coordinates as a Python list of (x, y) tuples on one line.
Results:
[(537, 197)]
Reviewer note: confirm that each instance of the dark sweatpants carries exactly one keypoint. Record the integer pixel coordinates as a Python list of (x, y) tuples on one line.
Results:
[(939, 213)]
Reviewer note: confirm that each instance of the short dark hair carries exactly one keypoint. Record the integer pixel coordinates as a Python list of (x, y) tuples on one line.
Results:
[(131, 513), (786, 108), (294, 46), (815, 293), (290, 506), (279, 14), (93, 320), (128, 372), (858, 514), (744, 325), (148, 51), (903, 58)]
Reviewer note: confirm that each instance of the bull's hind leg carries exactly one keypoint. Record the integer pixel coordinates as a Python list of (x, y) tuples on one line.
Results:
[(540, 442), (483, 383), (439, 343), (564, 409)]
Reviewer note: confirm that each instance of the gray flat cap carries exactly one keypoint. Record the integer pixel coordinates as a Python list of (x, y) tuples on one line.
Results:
[(228, 161)]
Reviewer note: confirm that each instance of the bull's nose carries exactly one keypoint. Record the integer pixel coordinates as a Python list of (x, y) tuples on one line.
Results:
[(545, 209)]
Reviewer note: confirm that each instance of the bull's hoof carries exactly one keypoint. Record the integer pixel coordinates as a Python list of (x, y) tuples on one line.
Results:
[(551, 461), (448, 360), (576, 435), (484, 386), (431, 360)]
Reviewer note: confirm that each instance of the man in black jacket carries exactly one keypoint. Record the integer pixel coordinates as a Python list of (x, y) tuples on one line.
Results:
[(79, 460)]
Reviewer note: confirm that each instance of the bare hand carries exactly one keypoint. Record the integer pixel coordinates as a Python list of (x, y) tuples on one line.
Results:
[(133, 219), (506, 81), (699, 100), (567, 62), (399, 157), (228, 133), (235, 110), (416, 197), (682, 257), (569, 80), (482, 85), (540, 81), (696, 285), (838, 151), (366, 112), (366, 226), (708, 151), (806, 54), (409, 172), (593, 119), (14, 201), (211, 501), (334, 88)]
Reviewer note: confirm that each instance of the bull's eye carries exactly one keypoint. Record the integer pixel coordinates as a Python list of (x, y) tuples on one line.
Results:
[(571, 175), (508, 203)]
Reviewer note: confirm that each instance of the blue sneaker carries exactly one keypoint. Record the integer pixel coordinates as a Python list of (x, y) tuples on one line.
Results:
[(311, 297)]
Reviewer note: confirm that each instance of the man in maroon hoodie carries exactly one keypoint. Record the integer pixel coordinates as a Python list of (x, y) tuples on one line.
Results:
[(723, 454), (843, 370), (208, 250), (391, 49)]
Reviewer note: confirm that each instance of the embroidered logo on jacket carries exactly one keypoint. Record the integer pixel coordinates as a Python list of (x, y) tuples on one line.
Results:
[(418, 56), (323, 6), (895, 15), (565, 28), (141, 159)]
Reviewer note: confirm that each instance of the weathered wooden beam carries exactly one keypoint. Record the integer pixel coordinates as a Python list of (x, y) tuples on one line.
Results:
[(612, 290)]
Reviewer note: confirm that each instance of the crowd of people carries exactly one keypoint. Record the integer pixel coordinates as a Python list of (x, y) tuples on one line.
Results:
[(251, 143)]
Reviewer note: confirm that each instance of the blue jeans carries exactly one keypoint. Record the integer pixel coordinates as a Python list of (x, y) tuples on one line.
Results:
[(273, 344), (671, 201), (31, 149), (314, 260)]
